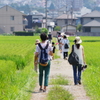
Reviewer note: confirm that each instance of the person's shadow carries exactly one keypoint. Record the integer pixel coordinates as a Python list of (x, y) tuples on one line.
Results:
[(33, 91)]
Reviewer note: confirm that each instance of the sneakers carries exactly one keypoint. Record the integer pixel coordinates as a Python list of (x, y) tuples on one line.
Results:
[(79, 82), (42, 90)]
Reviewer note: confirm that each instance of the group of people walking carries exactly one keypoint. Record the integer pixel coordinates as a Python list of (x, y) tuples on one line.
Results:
[(45, 50)]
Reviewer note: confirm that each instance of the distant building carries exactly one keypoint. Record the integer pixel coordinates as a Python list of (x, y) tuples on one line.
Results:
[(67, 22), (91, 22), (11, 20), (66, 19)]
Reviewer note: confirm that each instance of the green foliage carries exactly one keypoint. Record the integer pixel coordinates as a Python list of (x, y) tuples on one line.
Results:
[(23, 33), (59, 93), (59, 80), (16, 51), (44, 30), (57, 28), (79, 27), (15, 84), (37, 30)]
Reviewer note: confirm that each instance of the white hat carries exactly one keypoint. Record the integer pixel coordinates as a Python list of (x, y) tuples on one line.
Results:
[(78, 40), (62, 34)]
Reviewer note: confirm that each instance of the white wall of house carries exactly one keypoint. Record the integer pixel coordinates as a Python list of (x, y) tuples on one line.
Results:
[(10, 20), (62, 22), (95, 29), (69, 29)]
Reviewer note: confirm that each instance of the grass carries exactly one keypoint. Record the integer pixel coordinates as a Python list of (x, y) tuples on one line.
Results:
[(59, 80), (59, 93), (17, 77)]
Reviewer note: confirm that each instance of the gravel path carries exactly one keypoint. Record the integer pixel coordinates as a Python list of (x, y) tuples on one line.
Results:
[(62, 67)]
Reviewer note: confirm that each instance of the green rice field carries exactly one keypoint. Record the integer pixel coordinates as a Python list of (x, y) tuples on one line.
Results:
[(17, 77)]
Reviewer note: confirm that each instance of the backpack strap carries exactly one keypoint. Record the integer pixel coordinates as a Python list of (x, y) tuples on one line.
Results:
[(46, 46), (72, 48), (41, 46)]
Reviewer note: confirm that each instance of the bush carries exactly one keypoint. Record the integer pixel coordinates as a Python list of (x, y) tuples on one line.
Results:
[(79, 27), (57, 28), (37, 30), (44, 30), (24, 33)]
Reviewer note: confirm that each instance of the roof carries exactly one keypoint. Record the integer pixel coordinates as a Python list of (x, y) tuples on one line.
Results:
[(65, 16), (92, 14), (93, 23), (7, 7)]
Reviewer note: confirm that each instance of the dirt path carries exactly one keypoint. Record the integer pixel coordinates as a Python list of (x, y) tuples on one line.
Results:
[(61, 67)]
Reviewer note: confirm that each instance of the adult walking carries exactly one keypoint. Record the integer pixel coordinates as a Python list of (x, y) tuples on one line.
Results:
[(77, 69), (43, 51), (65, 46), (50, 37)]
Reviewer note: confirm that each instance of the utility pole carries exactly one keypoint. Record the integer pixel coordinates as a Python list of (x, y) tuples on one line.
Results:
[(45, 13), (66, 16)]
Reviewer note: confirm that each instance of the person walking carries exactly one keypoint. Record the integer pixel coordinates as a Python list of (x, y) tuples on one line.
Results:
[(36, 60), (77, 69), (65, 46), (43, 51), (53, 49), (50, 37)]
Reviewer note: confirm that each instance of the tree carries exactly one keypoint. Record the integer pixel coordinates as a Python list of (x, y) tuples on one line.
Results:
[(57, 28), (44, 30), (37, 30), (79, 27)]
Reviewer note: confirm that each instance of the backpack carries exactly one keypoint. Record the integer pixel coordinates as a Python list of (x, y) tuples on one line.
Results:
[(66, 46), (59, 39), (49, 36), (44, 55), (73, 58)]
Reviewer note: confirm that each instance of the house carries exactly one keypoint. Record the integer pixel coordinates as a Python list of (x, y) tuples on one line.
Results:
[(91, 22), (11, 20), (66, 20), (50, 23), (69, 28), (34, 20)]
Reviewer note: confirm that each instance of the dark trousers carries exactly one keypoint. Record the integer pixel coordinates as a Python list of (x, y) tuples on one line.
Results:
[(65, 54), (77, 73)]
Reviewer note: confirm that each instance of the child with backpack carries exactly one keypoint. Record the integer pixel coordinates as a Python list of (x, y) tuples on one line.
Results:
[(65, 47), (36, 62), (43, 52)]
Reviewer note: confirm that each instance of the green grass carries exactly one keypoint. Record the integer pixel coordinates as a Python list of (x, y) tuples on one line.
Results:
[(59, 93), (91, 76), (59, 80), (17, 77)]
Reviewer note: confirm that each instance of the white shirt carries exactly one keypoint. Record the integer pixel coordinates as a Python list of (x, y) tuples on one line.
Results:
[(43, 46), (63, 41), (79, 53)]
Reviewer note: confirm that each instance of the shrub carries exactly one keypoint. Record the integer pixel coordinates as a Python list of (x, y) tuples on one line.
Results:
[(57, 28), (44, 30), (79, 27)]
